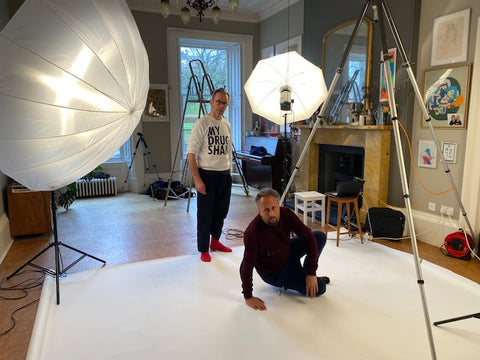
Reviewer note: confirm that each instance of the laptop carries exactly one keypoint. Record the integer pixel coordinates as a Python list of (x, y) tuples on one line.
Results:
[(348, 189)]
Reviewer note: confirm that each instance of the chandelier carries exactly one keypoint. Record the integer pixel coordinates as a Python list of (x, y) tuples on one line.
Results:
[(199, 6)]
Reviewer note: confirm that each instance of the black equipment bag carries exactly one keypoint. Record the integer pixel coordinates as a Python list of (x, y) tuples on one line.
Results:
[(384, 222)]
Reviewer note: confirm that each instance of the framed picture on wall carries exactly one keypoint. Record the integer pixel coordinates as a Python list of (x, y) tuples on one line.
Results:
[(383, 93), (446, 96), (293, 44), (427, 154), (450, 38), (157, 103), (449, 150)]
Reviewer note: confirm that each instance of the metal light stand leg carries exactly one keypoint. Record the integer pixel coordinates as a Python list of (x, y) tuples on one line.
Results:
[(401, 162), (56, 245), (420, 280), (426, 115)]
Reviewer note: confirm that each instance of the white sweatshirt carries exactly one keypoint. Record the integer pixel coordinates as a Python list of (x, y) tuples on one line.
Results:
[(211, 142)]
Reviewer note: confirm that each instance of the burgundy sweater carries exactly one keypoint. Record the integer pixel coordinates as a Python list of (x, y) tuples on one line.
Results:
[(267, 248)]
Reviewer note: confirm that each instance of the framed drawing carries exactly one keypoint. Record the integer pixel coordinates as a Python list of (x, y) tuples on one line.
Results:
[(294, 44), (383, 93), (450, 38), (427, 154), (446, 96), (157, 103), (449, 150)]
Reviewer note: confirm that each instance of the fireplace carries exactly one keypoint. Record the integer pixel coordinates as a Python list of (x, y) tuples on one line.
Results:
[(373, 141), (338, 163)]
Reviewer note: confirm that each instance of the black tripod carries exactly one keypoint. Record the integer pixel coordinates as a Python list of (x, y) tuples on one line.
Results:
[(59, 271), (146, 152), (477, 316)]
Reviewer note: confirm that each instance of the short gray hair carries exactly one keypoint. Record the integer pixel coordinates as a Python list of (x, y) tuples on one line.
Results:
[(223, 91), (267, 192)]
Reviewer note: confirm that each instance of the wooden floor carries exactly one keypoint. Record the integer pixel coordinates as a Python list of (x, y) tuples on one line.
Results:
[(130, 228)]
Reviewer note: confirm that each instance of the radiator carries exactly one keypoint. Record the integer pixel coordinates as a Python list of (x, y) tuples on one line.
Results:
[(97, 187)]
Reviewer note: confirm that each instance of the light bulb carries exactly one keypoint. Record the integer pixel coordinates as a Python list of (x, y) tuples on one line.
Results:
[(164, 8), (216, 14), (185, 15), (233, 4)]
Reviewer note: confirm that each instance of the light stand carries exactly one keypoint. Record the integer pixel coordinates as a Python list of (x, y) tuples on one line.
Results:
[(56, 245), (385, 11), (146, 152)]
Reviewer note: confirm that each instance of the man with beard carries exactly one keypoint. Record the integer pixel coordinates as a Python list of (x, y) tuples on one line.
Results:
[(276, 257)]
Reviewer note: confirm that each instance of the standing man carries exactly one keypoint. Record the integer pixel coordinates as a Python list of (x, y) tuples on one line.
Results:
[(209, 156), (276, 257)]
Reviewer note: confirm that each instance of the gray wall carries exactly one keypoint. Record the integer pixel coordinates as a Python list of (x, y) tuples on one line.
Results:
[(4, 16), (321, 16), (436, 179)]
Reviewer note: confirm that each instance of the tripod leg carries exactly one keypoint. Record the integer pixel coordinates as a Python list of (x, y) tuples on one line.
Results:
[(477, 316), (29, 262)]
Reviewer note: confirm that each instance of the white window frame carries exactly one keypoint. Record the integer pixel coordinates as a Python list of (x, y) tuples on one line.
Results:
[(238, 100)]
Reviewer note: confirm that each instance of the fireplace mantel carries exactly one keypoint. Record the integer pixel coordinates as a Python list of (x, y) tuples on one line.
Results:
[(374, 139)]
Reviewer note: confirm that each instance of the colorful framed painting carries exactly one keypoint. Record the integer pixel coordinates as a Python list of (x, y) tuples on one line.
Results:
[(383, 93), (427, 154), (446, 96), (450, 38)]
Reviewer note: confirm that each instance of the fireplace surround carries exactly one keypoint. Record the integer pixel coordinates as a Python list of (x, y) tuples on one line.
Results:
[(375, 142)]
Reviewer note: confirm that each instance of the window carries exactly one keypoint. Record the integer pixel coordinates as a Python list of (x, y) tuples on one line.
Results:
[(122, 154), (208, 65)]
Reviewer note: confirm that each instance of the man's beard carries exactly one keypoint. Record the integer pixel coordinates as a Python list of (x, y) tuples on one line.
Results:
[(272, 223)]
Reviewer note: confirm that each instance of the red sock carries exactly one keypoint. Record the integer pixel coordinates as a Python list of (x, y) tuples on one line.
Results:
[(216, 245), (205, 257)]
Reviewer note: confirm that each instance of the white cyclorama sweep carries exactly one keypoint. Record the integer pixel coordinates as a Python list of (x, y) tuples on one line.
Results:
[(74, 80), (308, 88)]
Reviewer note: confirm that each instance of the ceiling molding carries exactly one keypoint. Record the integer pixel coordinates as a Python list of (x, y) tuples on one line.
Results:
[(252, 11)]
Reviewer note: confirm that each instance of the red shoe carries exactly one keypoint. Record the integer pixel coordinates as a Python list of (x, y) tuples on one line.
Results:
[(216, 245), (205, 257)]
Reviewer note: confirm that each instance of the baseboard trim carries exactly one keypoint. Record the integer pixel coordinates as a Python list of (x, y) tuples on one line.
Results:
[(5, 239)]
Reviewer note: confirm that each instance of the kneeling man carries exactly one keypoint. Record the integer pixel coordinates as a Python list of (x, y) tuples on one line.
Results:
[(276, 257)]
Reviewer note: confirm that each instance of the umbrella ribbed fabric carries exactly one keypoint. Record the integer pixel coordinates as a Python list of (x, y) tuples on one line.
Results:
[(269, 75), (74, 79)]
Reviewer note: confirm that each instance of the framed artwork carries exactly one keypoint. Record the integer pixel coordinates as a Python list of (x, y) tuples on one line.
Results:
[(383, 93), (268, 52), (268, 127), (157, 103), (449, 150), (427, 154), (450, 38), (294, 44), (446, 96)]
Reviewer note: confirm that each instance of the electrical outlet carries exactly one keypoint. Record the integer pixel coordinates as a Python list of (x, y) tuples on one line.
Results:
[(432, 206), (446, 210)]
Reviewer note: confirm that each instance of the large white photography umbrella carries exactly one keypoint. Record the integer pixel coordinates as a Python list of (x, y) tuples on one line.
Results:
[(304, 80), (74, 79)]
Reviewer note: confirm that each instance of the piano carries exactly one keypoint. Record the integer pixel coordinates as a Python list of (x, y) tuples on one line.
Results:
[(267, 170)]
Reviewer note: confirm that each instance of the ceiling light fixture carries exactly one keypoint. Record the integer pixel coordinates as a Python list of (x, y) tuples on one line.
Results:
[(200, 6)]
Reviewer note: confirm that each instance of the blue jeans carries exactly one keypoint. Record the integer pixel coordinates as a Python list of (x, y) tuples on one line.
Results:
[(292, 275)]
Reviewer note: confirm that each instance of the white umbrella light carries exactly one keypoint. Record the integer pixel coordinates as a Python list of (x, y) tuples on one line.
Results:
[(74, 79), (271, 75)]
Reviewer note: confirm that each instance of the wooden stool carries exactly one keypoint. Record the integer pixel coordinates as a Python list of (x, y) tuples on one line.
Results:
[(347, 201)]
